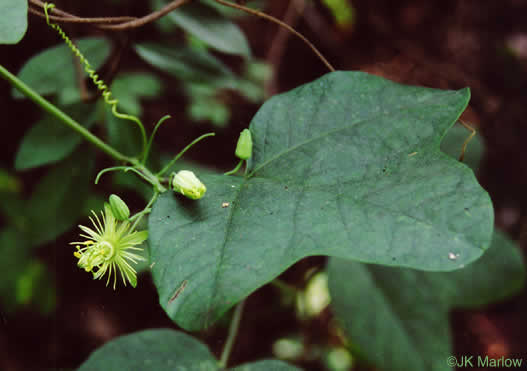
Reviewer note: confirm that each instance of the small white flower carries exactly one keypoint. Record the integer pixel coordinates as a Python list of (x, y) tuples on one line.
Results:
[(107, 248)]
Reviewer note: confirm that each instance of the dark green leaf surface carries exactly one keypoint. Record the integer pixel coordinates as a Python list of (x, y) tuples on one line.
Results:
[(53, 70), (13, 21), (347, 166), (266, 365), (15, 249), (185, 63), (208, 25), (130, 87), (399, 317), (123, 135), (56, 203), (49, 141), (160, 350), (164, 350)]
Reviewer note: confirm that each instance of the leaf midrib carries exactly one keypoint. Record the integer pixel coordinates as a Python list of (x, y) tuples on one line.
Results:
[(360, 122)]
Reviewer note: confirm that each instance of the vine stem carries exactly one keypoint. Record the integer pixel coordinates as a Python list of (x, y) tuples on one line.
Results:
[(281, 24), (67, 120), (173, 161), (231, 337), (145, 211)]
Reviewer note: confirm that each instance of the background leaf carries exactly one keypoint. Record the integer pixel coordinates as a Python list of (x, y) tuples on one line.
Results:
[(13, 21), (14, 245), (56, 203), (266, 365), (164, 350), (49, 141), (452, 145), (123, 135), (53, 71), (399, 317), (160, 350), (347, 166), (130, 87), (208, 25), (186, 63)]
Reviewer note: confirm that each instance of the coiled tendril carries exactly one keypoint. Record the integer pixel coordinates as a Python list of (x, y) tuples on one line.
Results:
[(105, 91)]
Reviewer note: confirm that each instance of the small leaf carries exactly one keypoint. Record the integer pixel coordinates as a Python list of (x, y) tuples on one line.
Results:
[(49, 141), (164, 350), (56, 203), (53, 71), (123, 135), (399, 317), (9, 183), (160, 350), (348, 166), (208, 25), (185, 63), (15, 247), (13, 21), (266, 365), (130, 87)]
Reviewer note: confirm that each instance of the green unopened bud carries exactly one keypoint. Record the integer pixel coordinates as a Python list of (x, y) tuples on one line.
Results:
[(244, 148), (186, 183), (119, 208)]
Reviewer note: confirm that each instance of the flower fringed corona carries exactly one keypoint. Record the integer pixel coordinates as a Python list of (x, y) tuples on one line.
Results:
[(109, 248)]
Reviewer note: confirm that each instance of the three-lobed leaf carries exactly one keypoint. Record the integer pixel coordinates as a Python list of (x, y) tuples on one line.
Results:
[(398, 317), (347, 166)]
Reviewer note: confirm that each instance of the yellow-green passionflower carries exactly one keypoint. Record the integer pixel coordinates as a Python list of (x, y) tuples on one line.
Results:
[(107, 248)]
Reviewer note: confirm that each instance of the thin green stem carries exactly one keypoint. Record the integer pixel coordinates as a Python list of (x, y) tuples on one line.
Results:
[(231, 337), (148, 176), (134, 119), (103, 171), (67, 120), (145, 211), (235, 170), (149, 145), (172, 162)]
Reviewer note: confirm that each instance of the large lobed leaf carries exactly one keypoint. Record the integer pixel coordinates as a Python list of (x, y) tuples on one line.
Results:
[(347, 166), (399, 317)]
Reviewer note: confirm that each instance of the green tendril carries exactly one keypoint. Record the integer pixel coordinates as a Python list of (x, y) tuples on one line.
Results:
[(235, 170), (173, 161), (105, 91)]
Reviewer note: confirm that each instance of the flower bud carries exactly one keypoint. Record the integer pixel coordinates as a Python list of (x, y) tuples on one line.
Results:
[(119, 208), (244, 148), (188, 185)]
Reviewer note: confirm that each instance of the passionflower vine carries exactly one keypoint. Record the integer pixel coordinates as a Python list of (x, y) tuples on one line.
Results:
[(109, 247)]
